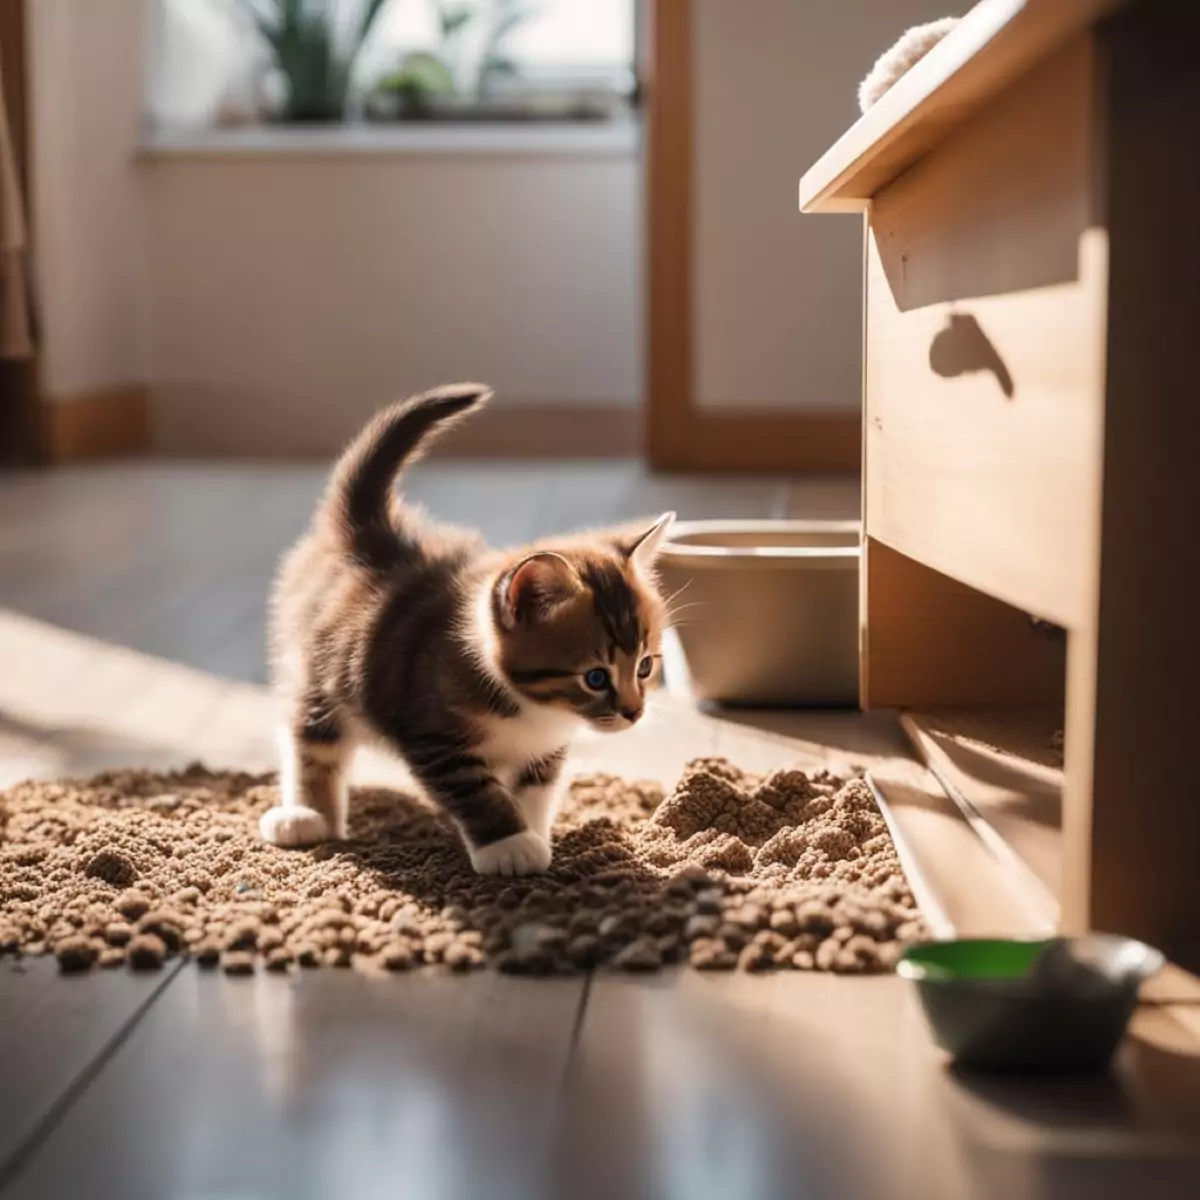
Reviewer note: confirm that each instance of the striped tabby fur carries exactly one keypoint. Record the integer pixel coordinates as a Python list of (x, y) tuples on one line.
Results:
[(476, 666)]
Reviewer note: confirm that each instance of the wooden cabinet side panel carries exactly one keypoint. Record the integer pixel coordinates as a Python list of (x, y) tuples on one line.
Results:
[(1132, 836), (985, 345)]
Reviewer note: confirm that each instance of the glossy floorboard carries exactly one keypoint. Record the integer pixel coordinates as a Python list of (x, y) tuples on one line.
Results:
[(331, 1084), (130, 631)]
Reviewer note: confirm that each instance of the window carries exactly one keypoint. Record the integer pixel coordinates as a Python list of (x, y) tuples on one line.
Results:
[(222, 62)]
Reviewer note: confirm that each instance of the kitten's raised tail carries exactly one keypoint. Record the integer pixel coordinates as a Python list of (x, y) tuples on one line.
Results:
[(357, 503)]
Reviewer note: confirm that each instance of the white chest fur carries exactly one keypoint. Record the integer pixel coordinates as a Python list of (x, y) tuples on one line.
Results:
[(512, 743)]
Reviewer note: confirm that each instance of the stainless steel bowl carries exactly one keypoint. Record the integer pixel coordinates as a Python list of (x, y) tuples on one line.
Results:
[(768, 610)]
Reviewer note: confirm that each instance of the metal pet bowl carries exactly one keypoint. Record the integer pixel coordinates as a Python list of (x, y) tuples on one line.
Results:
[(769, 610), (1034, 1007)]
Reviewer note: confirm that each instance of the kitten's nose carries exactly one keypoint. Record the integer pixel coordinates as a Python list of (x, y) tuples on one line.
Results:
[(631, 714)]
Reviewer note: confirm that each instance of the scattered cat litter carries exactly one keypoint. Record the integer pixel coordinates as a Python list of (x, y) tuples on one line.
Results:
[(728, 870)]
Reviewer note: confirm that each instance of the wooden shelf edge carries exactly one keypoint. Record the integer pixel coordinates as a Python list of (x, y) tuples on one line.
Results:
[(997, 41), (961, 886), (999, 795)]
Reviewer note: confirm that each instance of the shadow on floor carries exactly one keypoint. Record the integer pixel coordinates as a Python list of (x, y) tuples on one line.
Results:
[(69, 750)]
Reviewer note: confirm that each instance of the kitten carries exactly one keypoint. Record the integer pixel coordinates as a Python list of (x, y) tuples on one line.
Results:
[(475, 666)]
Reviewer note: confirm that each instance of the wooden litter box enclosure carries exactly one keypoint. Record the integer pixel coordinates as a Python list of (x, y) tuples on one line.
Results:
[(769, 610), (1031, 438)]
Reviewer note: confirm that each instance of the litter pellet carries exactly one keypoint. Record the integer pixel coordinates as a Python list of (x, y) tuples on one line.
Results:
[(146, 952), (237, 962), (76, 954)]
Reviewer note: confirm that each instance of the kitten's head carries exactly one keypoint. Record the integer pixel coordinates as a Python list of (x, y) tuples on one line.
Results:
[(579, 625)]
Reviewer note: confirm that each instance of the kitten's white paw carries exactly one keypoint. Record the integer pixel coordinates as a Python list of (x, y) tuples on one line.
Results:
[(522, 854), (292, 826)]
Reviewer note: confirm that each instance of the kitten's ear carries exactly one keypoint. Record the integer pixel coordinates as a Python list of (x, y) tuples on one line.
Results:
[(643, 550), (536, 586)]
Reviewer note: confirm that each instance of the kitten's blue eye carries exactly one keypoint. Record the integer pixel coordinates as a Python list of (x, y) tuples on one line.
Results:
[(645, 667), (596, 679)]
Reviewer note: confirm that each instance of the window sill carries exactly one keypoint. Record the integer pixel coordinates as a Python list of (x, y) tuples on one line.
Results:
[(609, 139)]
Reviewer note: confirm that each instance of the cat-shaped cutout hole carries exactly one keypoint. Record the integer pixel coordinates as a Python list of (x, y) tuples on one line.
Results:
[(962, 348)]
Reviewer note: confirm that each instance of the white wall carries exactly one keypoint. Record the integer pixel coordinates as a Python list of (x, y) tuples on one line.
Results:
[(86, 72), (291, 294), (778, 304), (273, 300)]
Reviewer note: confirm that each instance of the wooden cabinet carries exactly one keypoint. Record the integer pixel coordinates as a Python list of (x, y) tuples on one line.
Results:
[(1032, 273), (986, 281)]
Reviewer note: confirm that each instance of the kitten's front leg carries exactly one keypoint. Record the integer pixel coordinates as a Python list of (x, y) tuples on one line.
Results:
[(312, 783), (538, 791), (498, 838)]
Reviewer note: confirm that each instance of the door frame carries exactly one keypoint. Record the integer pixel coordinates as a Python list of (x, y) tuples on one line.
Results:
[(22, 426), (679, 433)]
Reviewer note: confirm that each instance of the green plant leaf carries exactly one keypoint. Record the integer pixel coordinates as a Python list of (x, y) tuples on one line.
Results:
[(369, 17), (419, 73), (453, 19), (509, 17), (304, 37), (265, 26), (507, 23), (497, 64)]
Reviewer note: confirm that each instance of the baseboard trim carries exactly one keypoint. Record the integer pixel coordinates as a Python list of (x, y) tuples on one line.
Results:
[(817, 441), (198, 421), (547, 431), (117, 421), (108, 423), (22, 438)]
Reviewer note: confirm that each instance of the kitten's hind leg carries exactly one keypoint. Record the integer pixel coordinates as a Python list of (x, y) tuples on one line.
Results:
[(312, 785)]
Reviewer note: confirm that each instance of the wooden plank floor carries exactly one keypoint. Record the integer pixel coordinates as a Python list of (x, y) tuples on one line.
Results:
[(54, 1031), (332, 1085), (175, 560), (131, 631)]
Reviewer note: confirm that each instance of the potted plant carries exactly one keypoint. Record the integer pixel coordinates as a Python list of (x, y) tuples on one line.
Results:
[(313, 51), (455, 79)]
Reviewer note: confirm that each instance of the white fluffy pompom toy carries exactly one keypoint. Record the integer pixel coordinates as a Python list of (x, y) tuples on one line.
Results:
[(903, 56)]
